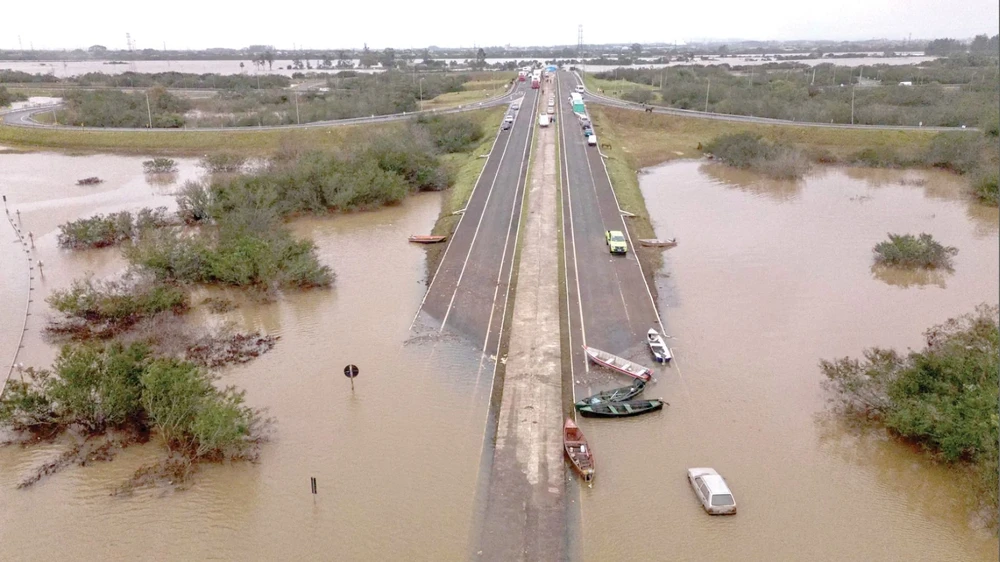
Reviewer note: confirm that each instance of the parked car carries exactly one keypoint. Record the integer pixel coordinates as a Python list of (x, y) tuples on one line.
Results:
[(585, 122), (550, 110), (515, 106), (592, 140), (506, 125), (588, 130), (712, 491), (616, 241), (543, 121)]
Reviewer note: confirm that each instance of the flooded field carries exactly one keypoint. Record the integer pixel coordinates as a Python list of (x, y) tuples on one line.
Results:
[(283, 67), (769, 278), (396, 460)]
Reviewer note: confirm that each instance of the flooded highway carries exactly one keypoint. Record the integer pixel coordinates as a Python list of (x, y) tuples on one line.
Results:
[(767, 279)]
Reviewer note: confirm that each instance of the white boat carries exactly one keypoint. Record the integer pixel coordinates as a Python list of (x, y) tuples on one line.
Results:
[(658, 242), (620, 364), (656, 345)]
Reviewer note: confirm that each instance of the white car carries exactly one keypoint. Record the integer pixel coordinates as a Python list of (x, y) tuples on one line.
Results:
[(712, 491), (580, 88), (592, 140), (515, 106)]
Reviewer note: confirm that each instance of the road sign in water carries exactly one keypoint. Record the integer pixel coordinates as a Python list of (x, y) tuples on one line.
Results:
[(350, 372)]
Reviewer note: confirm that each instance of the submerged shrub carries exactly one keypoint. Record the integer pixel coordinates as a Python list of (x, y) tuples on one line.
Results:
[(159, 165), (116, 386), (984, 187), (750, 151), (906, 250), (943, 397), (107, 230), (223, 162), (105, 308)]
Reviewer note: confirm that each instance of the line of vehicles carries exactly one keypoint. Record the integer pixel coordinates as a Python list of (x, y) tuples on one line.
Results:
[(709, 486)]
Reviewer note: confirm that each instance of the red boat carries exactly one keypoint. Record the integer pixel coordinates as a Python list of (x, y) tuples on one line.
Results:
[(422, 239), (615, 363), (578, 451)]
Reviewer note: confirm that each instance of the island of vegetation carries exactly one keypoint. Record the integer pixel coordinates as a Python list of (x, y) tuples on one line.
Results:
[(909, 251), (943, 398)]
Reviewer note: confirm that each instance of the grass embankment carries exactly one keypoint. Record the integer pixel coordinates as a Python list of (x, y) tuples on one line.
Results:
[(464, 169), (647, 139), (182, 142), (455, 99)]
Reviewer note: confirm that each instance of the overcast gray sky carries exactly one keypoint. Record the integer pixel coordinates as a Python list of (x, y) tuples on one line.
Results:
[(461, 23)]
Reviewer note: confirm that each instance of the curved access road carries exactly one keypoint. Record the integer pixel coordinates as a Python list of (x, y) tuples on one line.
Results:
[(22, 118), (598, 99)]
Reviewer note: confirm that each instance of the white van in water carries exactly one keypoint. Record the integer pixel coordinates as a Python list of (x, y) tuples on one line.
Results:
[(543, 121)]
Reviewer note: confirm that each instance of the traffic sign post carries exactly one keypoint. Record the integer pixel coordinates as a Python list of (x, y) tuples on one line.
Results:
[(350, 372)]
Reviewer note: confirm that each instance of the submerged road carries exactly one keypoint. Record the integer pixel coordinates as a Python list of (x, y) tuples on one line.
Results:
[(609, 304), (468, 292)]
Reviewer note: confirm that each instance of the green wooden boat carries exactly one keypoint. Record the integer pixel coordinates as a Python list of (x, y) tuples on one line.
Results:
[(615, 395), (621, 409)]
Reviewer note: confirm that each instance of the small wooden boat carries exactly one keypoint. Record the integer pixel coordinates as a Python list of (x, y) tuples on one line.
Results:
[(614, 395), (658, 242), (93, 180), (660, 350), (621, 409), (426, 239), (620, 364), (578, 451)]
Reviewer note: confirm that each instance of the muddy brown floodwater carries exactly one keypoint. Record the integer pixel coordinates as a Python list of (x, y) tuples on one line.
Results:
[(767, 279), (396, 460)]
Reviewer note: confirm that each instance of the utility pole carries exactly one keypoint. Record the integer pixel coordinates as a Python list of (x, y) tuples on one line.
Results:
[(852, 104), (297, 120), (707, 90), (420, 85), (149, 111), (813, 83), (750, 83)]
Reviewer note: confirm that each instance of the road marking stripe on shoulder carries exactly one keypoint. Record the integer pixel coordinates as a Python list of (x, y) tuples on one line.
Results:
[(572, 229), (451, 238), (475, 234), (522, 186)]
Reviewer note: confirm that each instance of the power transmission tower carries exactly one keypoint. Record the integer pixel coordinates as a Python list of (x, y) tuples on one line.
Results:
[(579, 40)]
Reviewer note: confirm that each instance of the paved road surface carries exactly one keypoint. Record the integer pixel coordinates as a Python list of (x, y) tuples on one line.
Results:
[(610, 306), (468, 293)]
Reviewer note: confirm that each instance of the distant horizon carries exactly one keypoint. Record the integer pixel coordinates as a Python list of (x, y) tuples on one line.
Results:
[(453, 24), (657, 44)]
